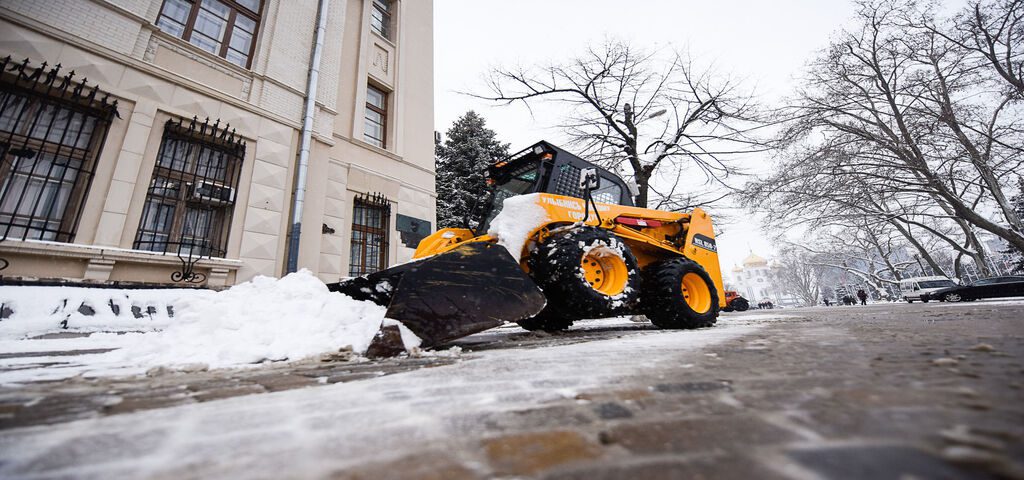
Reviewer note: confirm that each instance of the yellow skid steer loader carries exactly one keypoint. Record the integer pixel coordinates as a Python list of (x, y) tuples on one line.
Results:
[(582, 250)]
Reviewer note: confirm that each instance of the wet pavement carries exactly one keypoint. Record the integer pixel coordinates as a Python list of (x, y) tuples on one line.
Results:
[(883, 391)]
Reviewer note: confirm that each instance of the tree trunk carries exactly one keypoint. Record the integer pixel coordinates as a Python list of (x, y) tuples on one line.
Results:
[(642, 186)]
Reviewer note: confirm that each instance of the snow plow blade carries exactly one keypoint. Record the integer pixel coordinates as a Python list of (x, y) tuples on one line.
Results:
[(451, 295)]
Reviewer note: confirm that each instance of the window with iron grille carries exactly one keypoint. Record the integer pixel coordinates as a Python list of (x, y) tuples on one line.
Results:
[(51, 134), (370, 218), (192, 193), (226, 28), (380, 18), (376, 116)]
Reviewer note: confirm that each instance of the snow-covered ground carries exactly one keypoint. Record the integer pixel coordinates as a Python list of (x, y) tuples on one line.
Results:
[(262, 320), (311, 432)]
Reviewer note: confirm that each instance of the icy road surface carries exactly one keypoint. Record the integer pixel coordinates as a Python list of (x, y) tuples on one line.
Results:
[(314, 431)]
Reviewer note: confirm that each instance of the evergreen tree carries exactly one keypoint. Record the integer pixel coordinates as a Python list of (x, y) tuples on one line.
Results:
[(462, 161), (1017, 256)]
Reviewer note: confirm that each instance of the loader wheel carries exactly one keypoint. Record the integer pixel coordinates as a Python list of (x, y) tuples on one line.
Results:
[(587, 272), (548, 320), (678, 293)]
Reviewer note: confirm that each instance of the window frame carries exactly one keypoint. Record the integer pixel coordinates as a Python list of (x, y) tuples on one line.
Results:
[(387, 30), (374, 203), (66, 162), (235, 10), (194, 138), (383, 112)]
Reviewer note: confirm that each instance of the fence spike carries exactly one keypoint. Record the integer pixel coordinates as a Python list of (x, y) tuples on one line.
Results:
[(78, 88), (38, 73), (51, 76), (21, 68)]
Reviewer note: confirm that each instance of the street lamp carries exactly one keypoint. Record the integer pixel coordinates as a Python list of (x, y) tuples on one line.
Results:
[(657, 114)]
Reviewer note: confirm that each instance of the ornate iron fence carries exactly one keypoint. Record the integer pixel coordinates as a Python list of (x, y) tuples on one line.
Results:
[(192, 194), (371, 215), (52, 131)]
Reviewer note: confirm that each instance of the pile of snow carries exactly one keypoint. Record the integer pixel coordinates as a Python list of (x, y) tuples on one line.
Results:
[(519, 217), (39, 310), (265, 319), (262, 320)]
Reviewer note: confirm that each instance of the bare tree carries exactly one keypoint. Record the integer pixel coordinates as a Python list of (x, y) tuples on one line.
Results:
[(650, 114), (993, 32), (898, 124), (797, 274)]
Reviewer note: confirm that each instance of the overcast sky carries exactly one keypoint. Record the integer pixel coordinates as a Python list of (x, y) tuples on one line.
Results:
[(764, 42)]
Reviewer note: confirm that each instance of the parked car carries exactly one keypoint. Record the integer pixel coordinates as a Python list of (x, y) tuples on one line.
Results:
[(993, 287), (917, 287)]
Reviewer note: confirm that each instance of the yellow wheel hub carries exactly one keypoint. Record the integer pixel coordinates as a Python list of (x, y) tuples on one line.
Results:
[(605, 272), (696, 293)]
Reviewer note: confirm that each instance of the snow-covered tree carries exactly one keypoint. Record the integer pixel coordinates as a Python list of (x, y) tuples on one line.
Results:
[(462, 160)]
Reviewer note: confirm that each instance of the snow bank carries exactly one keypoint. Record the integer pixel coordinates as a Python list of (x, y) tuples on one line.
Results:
[(519, 217), (265, 319), (40, 310)]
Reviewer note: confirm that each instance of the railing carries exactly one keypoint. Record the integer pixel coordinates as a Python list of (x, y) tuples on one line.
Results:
[(371, 215), (189, 253), (52, 131)]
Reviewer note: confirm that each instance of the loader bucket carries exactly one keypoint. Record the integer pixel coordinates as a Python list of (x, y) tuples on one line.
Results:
[(457, 293)]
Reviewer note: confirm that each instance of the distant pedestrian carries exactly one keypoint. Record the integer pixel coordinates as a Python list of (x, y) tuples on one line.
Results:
[(863, 296), (827, 304)]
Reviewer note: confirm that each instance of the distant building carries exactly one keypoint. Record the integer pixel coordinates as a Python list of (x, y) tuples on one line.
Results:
[(754, 281), (170, 155)]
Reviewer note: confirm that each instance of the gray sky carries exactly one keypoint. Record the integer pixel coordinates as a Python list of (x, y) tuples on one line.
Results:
[(764, 42)]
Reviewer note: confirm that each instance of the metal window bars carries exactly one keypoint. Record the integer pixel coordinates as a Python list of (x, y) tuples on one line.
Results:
[(371, 215), (192, 194), (52, 131)]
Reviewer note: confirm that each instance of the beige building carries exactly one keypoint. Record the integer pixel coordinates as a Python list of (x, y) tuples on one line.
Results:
[(177, 159)]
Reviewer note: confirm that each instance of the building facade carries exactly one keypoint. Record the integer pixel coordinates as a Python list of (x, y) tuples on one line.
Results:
[(157, 141), (755, 281)]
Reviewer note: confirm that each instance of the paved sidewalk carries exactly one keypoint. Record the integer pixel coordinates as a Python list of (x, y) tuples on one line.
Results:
[(888, 391)]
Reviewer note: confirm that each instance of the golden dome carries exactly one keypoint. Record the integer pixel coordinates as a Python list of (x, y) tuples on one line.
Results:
[(754, 261), (737, 269)]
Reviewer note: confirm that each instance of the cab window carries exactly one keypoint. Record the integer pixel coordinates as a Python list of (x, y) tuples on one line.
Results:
[(607, 191)]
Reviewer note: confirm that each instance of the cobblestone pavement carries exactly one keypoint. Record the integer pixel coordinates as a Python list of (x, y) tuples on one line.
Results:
[(886, 391)]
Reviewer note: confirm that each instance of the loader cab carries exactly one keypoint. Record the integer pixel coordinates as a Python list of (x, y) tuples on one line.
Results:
[(545, 168)]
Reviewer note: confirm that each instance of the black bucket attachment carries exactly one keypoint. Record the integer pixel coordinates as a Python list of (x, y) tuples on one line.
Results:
[(457, 293)]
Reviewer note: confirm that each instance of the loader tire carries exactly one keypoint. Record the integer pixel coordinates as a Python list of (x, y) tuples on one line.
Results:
[(678, 293), (548, 320), (586, 272)]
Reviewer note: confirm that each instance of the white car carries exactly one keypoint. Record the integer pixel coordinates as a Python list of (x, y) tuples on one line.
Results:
[(913, 288)]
